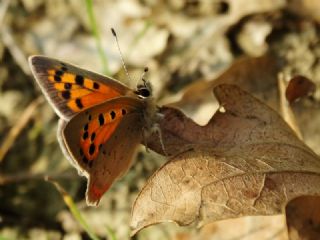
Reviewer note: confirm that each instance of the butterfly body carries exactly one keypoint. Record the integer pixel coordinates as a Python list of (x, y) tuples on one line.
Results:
[(101, 120)]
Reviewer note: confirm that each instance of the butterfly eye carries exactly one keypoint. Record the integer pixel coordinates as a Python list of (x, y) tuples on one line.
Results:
[(143, 92)]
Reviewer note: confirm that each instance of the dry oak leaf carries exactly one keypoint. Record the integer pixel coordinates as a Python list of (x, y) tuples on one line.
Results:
[(257, 75), (298, 87), (245, 161), (303, 218)]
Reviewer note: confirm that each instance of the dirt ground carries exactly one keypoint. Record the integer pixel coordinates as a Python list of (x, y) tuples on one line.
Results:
[(186, 45)]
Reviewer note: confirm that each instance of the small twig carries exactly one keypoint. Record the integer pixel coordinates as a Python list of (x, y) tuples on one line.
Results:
[(286, 110), (18, 127), (3, 9), (14, 49), (22, 177), (74, 209)]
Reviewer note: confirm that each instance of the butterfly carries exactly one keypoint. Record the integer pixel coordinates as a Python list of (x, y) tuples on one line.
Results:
[(102, 121)]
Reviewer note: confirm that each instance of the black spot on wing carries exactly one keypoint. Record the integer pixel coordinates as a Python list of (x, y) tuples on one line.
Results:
[(67, 86), (85, 135), (96, 85), (112, 115), (93, 136), (66, 95), (101, 119), (57, 78), (79, 103), (79, 80), (59, 73), (92, 148)]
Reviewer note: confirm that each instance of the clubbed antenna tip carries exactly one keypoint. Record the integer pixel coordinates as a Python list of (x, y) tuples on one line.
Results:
[(113, 32), (123, 64)]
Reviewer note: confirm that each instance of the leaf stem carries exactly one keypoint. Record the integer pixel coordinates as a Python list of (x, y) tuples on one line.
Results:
[(74, 210)]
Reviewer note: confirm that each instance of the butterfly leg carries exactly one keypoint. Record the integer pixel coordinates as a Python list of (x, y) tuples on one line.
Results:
[(147, 133), (156, 128), (145, 137)]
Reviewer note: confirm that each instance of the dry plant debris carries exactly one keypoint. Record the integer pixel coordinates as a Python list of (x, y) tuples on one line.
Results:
[(190, 48)]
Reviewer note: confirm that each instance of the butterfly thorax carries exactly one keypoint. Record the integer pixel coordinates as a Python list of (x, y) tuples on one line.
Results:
[(151, 116)]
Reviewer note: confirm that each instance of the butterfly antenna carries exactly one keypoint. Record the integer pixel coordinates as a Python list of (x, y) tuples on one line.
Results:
[(146, 69), (121, 56)]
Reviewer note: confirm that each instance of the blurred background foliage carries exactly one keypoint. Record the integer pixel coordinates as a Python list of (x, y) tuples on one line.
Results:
[(180, 41)]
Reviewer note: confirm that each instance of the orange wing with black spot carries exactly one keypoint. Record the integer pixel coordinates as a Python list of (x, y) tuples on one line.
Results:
[(71, 89), (101, 140)]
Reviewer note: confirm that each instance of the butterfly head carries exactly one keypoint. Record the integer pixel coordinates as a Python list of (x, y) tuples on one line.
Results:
[(144, 90)]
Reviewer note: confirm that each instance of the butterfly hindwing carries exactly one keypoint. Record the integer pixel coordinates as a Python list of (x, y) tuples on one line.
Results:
[(101, 142), (116, 159), (71, 89)]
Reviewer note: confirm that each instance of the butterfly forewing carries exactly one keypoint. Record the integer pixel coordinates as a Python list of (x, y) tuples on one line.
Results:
[(101, 141), (71, 89)]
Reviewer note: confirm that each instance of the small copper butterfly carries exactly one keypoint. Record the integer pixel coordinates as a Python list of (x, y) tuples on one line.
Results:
[(101, 120)]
